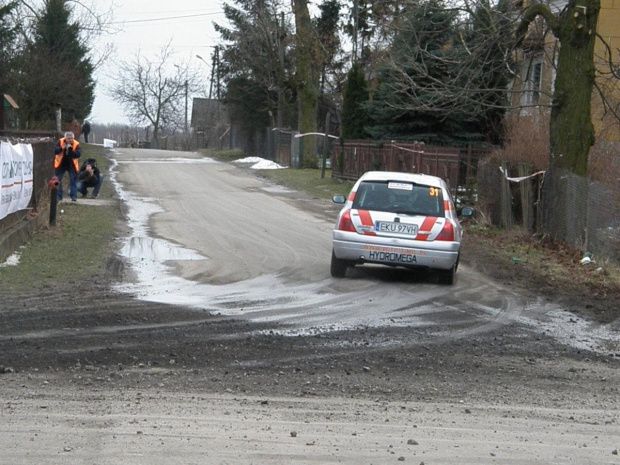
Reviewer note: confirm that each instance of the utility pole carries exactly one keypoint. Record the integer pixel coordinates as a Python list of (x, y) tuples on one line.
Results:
[(212, 76), (217, 60), (186, 96), (217, 77), (186, 86)]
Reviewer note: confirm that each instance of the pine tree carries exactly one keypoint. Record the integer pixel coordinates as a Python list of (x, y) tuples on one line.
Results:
[(57, 70), (354, 112), (405, 105), (256, 58), (7, 45)]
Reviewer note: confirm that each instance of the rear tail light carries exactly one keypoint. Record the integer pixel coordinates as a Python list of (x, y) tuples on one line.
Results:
[(345, 223), (447, 233)]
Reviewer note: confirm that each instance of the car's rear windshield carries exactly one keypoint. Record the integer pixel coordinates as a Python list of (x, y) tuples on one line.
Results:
[(399, 197)]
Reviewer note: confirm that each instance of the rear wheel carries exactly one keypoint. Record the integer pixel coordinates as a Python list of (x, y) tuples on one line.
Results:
[(338, 267), (447, 276)]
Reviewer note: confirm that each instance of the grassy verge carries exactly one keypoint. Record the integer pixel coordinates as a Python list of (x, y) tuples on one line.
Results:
[(75, 250), (305, 179), (308, 180)]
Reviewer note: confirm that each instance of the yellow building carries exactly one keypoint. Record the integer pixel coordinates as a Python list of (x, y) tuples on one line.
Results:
[(533, 88), (605, 122)]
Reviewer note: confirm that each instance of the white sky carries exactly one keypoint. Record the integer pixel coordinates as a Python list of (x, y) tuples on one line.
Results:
[(189, 26)]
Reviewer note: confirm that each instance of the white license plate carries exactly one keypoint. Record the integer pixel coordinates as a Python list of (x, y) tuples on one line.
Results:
[(396, 228)]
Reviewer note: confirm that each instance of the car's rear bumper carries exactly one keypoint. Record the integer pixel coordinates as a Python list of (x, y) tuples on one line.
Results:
[(395, 252)]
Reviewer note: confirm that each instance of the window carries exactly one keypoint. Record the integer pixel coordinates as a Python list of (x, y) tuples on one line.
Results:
[(532, 83), (400, 197)]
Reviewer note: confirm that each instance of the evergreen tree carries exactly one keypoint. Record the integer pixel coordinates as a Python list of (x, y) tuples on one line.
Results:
[(57, 70), (488, 74), (327, 27), (256, 55), (354, 112), (405, 104), (8, 47)]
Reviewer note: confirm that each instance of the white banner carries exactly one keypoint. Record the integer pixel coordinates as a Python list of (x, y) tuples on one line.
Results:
[(16, 162)]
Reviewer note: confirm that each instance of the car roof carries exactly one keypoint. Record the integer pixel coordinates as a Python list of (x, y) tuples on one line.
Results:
[(425, 179)]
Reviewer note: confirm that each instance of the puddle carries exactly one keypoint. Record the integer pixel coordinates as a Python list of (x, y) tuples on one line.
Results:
[(147, 248)]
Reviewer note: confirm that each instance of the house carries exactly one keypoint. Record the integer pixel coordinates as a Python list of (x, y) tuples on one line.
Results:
[(533, 88), (210, 123), (8, 113)]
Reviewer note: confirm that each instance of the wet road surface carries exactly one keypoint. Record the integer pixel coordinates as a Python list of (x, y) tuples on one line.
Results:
[(210, 236)]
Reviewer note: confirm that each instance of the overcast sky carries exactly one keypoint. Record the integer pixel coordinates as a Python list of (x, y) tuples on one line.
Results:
[(148, 25)]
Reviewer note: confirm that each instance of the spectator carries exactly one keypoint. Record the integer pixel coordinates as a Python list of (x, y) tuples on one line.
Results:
[(86, 130), (67, 151), (89, 177)]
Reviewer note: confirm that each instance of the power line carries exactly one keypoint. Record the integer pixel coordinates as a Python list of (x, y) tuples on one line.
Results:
[(168, 17)]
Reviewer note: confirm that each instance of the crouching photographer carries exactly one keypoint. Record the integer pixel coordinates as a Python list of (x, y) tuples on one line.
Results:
[(89, 177)]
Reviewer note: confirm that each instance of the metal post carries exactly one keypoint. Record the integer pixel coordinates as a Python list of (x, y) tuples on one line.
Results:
[(53, 184), (58, 120), (325, 143)]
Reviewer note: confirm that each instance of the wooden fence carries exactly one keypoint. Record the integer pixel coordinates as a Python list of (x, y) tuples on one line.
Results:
[(455, 165)]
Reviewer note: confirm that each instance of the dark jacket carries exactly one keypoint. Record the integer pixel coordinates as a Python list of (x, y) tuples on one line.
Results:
[(85, 177)]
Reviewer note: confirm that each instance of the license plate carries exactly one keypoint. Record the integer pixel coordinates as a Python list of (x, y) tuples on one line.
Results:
[(396, 228)]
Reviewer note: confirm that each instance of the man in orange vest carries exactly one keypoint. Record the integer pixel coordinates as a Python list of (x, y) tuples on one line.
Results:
[(67, 152)]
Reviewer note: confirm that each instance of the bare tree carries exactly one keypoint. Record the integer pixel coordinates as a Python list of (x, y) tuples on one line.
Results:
[(153, 91)]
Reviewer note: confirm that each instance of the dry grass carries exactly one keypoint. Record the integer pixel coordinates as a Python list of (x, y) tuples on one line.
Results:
[(604, 163), (527, 140)]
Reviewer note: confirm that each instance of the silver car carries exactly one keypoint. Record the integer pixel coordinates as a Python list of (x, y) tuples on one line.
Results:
[(398, 219)]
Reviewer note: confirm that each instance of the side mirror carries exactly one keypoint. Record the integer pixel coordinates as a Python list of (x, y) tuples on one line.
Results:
[(339, 199), (466, 212)]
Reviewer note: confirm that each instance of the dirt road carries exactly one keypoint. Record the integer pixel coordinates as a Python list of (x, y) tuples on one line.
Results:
[(224, 340)]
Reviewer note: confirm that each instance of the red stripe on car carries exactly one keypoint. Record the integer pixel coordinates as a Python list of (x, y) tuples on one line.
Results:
[(425, 228), (366, 221)]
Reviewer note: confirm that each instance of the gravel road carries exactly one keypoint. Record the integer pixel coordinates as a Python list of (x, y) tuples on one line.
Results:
[(222, 339)]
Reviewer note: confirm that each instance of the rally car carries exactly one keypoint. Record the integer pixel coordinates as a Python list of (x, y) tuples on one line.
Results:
[(398, 219)]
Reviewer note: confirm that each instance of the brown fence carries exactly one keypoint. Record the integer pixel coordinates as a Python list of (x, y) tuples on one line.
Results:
[(282, 147), (455, 165), (583, 213)]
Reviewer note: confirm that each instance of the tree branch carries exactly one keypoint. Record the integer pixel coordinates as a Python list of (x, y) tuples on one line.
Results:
[(530, 15)]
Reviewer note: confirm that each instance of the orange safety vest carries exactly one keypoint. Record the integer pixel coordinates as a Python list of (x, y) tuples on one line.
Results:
[(59, 156)]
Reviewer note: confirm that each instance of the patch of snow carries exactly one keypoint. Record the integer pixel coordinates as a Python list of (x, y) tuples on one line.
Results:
[(266, 165), (248, 160), (12, 260), (260, 163)]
